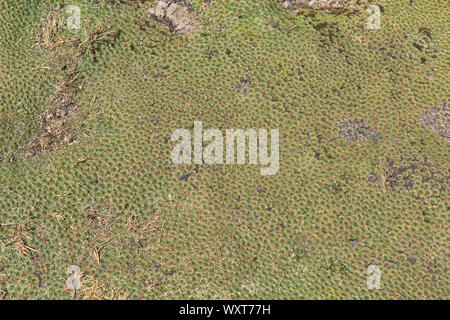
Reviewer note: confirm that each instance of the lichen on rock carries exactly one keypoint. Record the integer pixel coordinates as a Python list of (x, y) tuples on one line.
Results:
[(177, 15), (437, 120), (317, 4)]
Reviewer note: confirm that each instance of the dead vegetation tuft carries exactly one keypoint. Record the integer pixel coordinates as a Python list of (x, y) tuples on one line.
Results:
[(317, 4), (3, 286), (18, 238), (129, 2), (141, 234), (404, 173), (51, 30), (57, 124)]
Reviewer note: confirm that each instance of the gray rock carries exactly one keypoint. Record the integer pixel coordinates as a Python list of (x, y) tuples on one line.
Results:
[(317, 4), (179, 16), (356, 131), (437, 120)]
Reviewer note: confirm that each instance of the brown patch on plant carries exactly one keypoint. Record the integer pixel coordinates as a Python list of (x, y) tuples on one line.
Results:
[(178, 15), (437, 120)]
